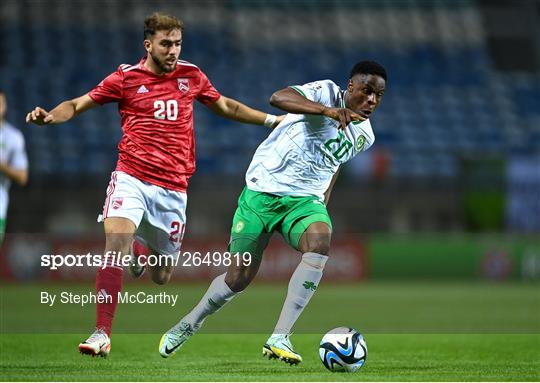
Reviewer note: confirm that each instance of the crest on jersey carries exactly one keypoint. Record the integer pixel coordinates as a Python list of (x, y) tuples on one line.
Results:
[(117, 203), (360, 142), (183, 84)]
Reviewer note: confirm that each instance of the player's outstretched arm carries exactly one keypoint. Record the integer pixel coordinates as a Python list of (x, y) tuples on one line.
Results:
[(62, 113), (235, 110), (291, 101)]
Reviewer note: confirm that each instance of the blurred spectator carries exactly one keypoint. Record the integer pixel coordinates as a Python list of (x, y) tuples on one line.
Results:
[(13, 161)]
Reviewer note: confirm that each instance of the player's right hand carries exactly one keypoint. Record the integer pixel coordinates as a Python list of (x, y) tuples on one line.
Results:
[(39, 116), (343, 115)]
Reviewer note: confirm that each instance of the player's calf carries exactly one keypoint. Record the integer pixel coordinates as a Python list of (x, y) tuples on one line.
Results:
[(161, 274)]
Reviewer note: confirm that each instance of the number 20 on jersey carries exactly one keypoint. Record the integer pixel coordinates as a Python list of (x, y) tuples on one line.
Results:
[(166, 110)]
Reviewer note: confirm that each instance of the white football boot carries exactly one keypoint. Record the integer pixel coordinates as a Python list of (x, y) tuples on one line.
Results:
[(175, 338), (98, 343), (279, 346)]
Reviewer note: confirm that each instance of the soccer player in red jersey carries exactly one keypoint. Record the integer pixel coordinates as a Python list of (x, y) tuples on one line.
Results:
[(146, 196)]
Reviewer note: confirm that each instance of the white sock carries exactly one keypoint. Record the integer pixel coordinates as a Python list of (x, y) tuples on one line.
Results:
[(217, 295), (302, 286)]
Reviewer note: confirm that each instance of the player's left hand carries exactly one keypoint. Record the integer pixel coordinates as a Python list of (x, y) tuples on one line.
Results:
[(39, 116), (343, 115)]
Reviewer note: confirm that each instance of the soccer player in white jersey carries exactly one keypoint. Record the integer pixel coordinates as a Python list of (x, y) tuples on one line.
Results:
[(289, 182), (13, 161)]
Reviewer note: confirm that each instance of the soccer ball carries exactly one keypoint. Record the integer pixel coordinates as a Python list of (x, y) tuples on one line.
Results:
[(343, 349)]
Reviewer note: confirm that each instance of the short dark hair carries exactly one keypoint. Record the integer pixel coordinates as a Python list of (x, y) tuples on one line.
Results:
[(161, 22), (368, 67)]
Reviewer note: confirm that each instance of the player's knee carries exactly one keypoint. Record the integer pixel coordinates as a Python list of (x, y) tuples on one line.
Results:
[(237, 283), (319, 245), (316, 239)]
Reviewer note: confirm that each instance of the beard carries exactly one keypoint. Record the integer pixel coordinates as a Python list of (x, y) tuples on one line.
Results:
[(166, 68)]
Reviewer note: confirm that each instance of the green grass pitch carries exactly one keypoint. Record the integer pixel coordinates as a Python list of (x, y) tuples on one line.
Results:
[(424, 331)]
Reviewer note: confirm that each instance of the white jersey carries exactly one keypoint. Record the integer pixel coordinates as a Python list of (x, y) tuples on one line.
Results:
[(12, 153), (304, 151)]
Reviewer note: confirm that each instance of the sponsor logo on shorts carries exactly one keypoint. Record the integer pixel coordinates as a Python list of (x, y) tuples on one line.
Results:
[(117, 202), (239, 226)]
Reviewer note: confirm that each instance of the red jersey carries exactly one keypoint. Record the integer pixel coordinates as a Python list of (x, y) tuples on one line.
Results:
[(157, 144)]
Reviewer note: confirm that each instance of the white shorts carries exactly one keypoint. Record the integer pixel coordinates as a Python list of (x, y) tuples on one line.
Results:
[(158, 213)]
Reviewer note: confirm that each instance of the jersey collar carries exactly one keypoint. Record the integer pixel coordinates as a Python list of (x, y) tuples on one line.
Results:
[(342, 99)]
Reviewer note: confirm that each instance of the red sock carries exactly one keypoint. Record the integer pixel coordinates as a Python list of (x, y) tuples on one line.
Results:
[(140, 251), (108, 283)]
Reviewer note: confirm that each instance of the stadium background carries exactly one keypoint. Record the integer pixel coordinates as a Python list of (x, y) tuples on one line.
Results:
[(458, 132), (436, 226)]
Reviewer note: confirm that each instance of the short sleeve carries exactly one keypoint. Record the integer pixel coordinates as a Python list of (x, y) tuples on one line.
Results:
[(366, 138), (18, 159), (317, 91), (108, 90), (207, 93)]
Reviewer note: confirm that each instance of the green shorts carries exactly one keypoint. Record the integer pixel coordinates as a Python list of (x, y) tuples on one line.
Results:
[(2, 229), (260, 214)]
